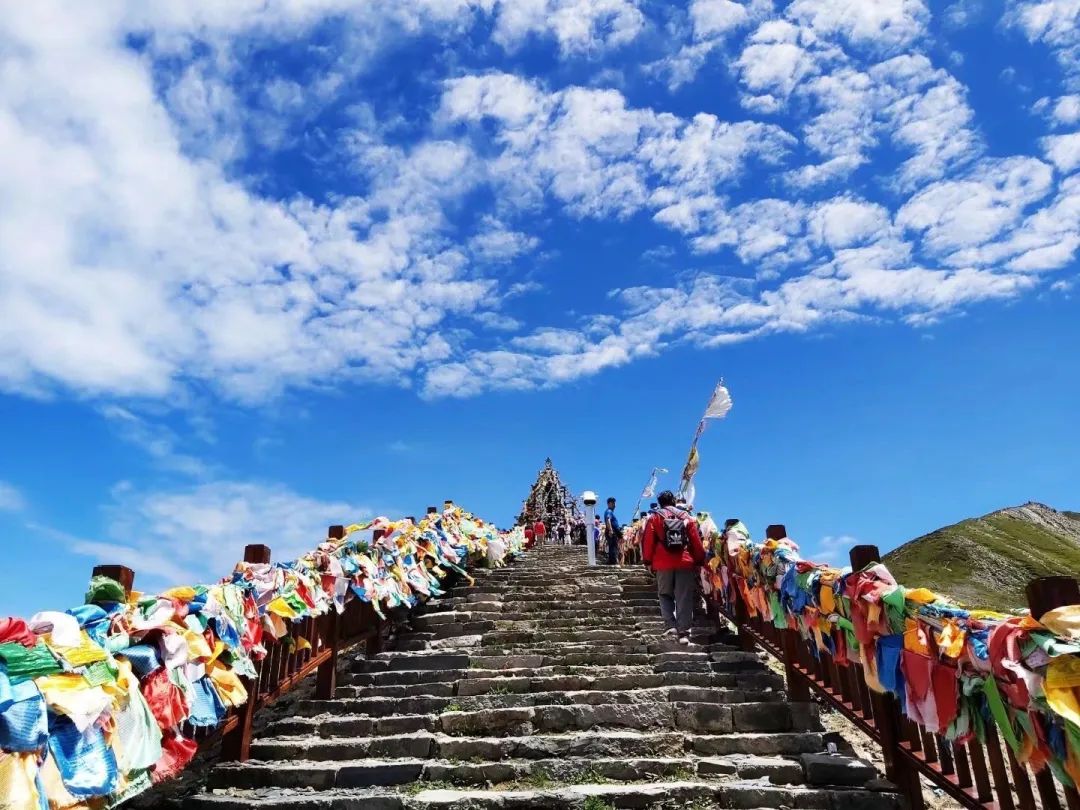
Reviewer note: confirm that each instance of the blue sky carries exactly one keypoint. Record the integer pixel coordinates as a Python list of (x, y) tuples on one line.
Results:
[(270, 266)]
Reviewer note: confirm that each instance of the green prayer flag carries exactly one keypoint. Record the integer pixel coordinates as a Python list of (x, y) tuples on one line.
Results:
[(1000, 714), (23, 663), (895, 610), (105, 589)]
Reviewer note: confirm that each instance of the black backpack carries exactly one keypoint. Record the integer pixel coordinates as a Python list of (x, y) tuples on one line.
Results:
[(675, 538)]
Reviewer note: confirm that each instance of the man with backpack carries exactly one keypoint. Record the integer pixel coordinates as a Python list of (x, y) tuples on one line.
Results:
[(672, 548)]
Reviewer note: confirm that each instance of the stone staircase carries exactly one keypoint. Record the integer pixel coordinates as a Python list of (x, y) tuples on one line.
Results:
[(547, 685)]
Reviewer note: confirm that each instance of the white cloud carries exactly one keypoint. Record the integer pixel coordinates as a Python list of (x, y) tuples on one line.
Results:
[(712, 24), (1046, 238), (197, 534), (712, 18), (967, 212), (1067, 110), (11, 498), (800, 62), (775, 62), (131, 262), (601, 158), (158, 441), (128, 267), (832, 550), (1063, 151), (1055, 23), (497, 321), (136, 259), (497, 243), (845, 222), (883, 25), (577, 25)]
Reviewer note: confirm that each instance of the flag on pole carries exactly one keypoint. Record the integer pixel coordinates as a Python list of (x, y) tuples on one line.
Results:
[(718, 407), (720, 403), (650, 488)]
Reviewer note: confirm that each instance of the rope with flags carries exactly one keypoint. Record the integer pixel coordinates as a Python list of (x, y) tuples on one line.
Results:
[(718, 407)]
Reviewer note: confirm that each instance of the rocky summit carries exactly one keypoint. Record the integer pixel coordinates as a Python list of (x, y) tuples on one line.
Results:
[(547, 685)]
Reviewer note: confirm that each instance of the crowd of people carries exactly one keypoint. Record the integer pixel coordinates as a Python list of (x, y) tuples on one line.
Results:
[(565, 531), (670, 539)]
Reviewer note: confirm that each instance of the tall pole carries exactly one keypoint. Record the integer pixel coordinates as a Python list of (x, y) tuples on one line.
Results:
[(588, 497), (590, 533)]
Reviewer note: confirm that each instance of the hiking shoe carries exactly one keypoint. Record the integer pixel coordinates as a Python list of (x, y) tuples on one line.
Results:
[(672, 633), (684, 640)]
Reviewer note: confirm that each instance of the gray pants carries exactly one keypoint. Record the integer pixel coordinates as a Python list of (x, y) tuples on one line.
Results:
[(677, 590)]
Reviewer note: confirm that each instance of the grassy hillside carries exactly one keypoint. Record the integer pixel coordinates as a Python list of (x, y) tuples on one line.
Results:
[(987, 561)]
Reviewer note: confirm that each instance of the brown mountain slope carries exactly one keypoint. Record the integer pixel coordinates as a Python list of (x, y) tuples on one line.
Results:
[(987, 561)]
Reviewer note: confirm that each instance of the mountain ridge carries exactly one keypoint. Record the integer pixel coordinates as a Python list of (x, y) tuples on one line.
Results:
[(987, 561)]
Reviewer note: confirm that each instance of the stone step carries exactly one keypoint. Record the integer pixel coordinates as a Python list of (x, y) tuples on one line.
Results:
[(705, 718), (413, 661), (700, 794), (571, 658), (548, 678), (373, 706), (594, 743), (360, 773), (740, 795)]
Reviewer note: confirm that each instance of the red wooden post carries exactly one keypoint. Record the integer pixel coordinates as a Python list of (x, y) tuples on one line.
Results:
[(121, 573), (887, 717), (797, 688), (776, 532), (1045, 594), (326, 674), (236, 744)]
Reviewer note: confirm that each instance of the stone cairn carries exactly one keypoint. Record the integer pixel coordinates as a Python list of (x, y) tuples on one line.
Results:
[(547, 685), (549, 500)]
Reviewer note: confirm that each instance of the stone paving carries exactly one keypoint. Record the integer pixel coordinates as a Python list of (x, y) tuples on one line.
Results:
[(548, 685)]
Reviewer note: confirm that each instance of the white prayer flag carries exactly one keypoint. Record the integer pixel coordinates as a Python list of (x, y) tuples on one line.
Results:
[(720, 403)]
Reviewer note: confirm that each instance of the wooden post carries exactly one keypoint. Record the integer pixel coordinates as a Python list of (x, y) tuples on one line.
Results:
[(236, 744), (798, 689), (375, 642), (326, 674), (1045, 594), (887, 717), (862, 556), (742, 616), (121, 573)]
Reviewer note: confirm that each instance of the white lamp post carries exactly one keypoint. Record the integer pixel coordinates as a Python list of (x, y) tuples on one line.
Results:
[(588, 497)]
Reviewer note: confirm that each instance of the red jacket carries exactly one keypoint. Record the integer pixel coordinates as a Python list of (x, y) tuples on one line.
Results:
[(656, 555), (539, 529)]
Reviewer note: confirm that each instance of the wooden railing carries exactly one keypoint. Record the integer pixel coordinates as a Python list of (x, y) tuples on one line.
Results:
[(978, 775), (285, 664)]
